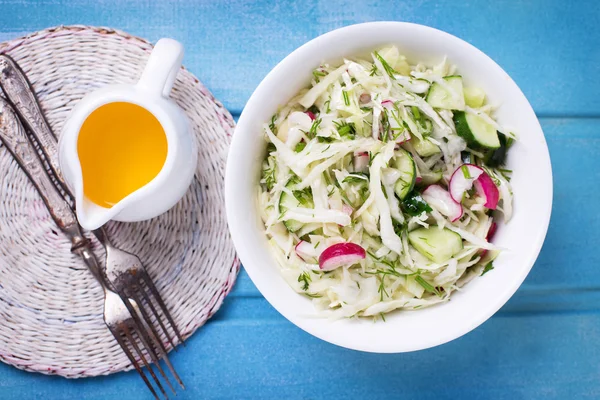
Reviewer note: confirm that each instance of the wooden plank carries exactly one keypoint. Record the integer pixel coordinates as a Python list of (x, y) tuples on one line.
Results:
[(541, 356), (542, 344), (549, 48)]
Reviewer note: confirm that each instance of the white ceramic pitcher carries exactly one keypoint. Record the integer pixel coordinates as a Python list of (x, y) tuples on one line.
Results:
[(152, 93)]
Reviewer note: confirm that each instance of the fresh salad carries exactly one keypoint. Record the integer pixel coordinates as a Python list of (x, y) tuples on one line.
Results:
[(382, 185)]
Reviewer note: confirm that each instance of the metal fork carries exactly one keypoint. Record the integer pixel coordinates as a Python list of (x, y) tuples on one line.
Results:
[(121, 317), (129, 278), (123, 268)]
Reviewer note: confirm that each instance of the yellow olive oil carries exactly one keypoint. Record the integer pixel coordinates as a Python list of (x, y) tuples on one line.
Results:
[(121, 147)]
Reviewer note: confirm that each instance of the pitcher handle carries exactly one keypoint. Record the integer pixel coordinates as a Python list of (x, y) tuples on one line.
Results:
[(162, 67)]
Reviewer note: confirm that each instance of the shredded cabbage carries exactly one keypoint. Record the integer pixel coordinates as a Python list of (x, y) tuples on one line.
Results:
[(314, 189)]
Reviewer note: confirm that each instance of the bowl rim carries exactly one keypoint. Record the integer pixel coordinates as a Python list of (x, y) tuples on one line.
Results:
[(234, 220)]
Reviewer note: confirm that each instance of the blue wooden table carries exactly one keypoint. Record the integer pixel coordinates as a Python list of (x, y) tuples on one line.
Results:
[(545, 343)]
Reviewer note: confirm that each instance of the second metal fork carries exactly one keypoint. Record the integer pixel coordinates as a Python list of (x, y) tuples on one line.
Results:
[(127, 318), (128, 277)]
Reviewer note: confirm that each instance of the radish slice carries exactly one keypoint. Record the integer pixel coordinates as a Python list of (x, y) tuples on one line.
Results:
[(361, 162), (487, 189), (305, 251), (404, 137), (311, 115), (387, 104), (462, 180), (489, 237), (439, 198), (346, 209), (491, 232), (341, 254)]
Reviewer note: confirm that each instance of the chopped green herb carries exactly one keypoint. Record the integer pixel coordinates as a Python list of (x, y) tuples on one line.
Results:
[(327, 108), (345, 129), (327, 178), (318, 75), (509, 142), (343, 194), (465, 171), (356, 177), (272, 126), (505, 173), (323, 139), (414, 204), (426, 285), (304, 196), (416, 112), (299, 147), (363, 192), (373, 70), (381, 290), (372, 157), (269, 173), (487, 268), (388, 69), (385, 127), (313, 295), (305, 279), (346, 99), (398, 228), (313, 128)]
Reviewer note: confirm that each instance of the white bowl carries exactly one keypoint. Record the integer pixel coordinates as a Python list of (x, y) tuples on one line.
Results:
[(522, 237)]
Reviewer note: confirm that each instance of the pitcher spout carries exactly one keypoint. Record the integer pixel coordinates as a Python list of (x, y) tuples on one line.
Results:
[(92, 216)]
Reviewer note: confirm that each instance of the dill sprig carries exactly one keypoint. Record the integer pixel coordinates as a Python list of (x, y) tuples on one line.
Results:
[(346, 98), (313, 128), (305, 279), (388, 69), (318, 75), (373, 70), (272, 126), (427, 286), (269, 173), (345, 129), (356, 177)]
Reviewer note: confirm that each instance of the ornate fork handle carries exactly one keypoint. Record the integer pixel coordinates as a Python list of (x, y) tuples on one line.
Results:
[(20, 94), (14, 137)]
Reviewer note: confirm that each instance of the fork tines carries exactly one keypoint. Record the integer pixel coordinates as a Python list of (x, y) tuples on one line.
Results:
[(150, 318), (148, 334), (142, 345)]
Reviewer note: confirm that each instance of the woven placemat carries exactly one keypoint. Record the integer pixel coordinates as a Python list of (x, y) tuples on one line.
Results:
[(50, 305)]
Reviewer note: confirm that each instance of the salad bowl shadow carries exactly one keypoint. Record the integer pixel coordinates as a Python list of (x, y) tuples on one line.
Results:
[(522, 237)]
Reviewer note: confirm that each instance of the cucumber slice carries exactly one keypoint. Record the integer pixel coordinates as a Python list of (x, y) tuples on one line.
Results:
[(424, 147), (287, 201), (404, 163), (476, 131), (474, 96), (440, 97), (438, 245)]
